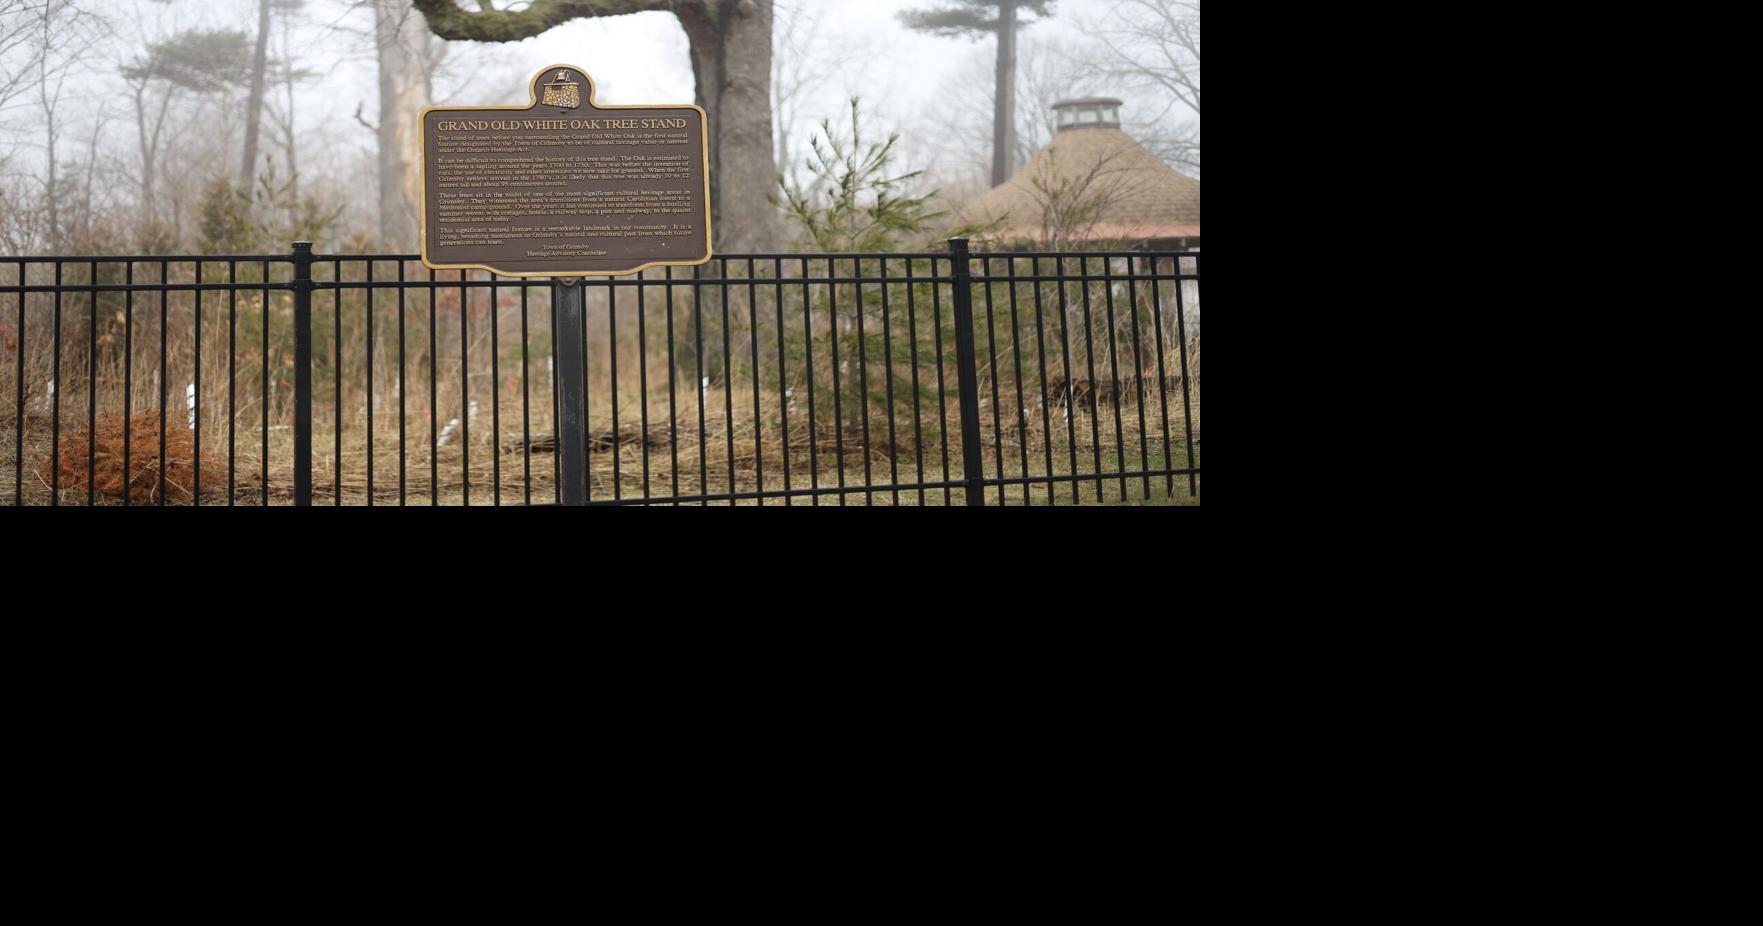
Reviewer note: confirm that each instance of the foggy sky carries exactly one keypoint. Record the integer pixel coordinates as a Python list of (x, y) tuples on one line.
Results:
[(642, 58), (639, 58)]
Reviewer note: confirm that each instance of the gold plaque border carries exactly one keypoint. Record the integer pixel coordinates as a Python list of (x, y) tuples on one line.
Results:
[(422, 172)]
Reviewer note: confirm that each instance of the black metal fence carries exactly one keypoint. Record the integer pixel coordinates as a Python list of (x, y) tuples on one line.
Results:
[(302, 378)]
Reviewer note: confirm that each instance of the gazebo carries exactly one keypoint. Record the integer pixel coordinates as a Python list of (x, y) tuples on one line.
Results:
[(1091, 185)]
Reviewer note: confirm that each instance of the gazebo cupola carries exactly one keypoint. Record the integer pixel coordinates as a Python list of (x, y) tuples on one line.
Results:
[(1091, 183), (1088, 113)]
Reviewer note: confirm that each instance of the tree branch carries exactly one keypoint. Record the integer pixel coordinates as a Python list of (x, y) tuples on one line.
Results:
[(448, 21)]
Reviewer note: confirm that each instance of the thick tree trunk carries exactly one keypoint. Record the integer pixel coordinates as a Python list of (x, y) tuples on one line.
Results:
[(254, 107), (404, 66), (731, 60), (1004, 110)]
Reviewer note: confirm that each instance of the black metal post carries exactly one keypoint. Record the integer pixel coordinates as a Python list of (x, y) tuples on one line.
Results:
[(302, 374), (572, 406), (968, 369)]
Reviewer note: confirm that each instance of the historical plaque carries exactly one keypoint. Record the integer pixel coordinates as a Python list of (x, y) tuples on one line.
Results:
[(564, 186)]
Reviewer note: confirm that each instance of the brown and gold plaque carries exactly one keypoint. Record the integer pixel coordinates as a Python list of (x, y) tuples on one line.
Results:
[(564, 186)]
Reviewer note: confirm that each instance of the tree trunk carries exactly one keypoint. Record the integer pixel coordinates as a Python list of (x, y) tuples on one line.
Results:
[(290, 145), (140, 93), (254, 107), (404, 66), (52, 188), (149, 141), (731, 61), (98, 124), (1004, 110)]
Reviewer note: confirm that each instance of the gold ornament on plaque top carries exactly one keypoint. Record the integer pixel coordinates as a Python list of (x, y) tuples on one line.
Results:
[(562, 92)]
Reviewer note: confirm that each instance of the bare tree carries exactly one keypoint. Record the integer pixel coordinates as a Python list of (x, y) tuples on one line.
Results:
[(139, 74), (139, 81), (197, 64), (810, 66), (407, 56), (18, 21), (48, 100), (1156, 41), (1177, 144), (1156, 44), (281, 114), (254, 106), (196, 61), (792, 75), (1074, 198), (57, 29), (730, 44), (83, 224)]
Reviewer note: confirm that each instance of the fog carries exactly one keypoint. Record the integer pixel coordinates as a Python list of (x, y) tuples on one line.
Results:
[(934, 92)]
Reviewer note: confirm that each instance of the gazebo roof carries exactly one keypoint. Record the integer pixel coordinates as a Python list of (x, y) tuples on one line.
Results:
[(1135, 195)]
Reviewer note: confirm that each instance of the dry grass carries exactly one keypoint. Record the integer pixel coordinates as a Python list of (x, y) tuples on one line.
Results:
[(733, 460), (742, 436)]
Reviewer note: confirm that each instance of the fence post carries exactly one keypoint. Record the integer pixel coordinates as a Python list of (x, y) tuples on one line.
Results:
[(302, 374), (967, 368), (572, 445)]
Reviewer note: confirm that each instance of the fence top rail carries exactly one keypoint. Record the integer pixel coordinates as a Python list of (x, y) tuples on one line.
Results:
[(803, 255), (835, 255), (413, 258), (1073, 255), (145, 258), (621, 283), (703, 281), (272, 286), (656, 283)]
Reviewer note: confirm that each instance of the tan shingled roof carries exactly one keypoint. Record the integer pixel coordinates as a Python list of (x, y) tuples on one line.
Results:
[(1092, 183)]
